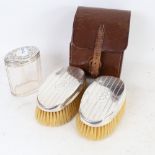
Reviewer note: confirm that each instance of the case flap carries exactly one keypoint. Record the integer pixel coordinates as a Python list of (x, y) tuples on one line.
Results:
[(87, 21)]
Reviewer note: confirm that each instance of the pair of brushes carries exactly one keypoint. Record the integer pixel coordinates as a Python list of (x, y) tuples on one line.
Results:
[(60, 95), (101, 108)]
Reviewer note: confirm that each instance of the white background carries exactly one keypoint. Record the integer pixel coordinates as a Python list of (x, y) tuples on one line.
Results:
[(47, 24)]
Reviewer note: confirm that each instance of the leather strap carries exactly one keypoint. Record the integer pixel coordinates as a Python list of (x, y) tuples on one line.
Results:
[(95, 62)]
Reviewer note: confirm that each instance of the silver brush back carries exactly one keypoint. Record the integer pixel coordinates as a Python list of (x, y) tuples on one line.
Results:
[(60, 88), (102, 101)]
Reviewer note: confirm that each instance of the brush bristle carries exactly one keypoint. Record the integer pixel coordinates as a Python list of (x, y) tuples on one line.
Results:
[(97, 133), (60, 117)]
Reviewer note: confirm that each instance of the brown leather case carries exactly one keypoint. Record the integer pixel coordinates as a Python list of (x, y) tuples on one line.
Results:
[(99, 39)]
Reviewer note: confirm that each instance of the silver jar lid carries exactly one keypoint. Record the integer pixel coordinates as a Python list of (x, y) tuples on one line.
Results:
[(21, 56)]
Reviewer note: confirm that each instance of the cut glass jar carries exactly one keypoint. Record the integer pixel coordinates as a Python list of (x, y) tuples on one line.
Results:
[(23, 68)]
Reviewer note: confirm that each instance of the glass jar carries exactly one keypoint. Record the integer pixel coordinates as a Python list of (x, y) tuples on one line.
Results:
[(23, 68)]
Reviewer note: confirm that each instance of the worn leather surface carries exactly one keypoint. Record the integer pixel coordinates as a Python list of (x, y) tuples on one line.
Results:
[(86, 23)]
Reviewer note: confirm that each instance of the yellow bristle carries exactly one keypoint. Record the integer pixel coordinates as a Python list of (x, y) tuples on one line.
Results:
[(97, 133), (60, 117)]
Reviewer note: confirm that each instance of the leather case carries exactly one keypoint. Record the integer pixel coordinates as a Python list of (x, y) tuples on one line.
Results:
[(99, 39)]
